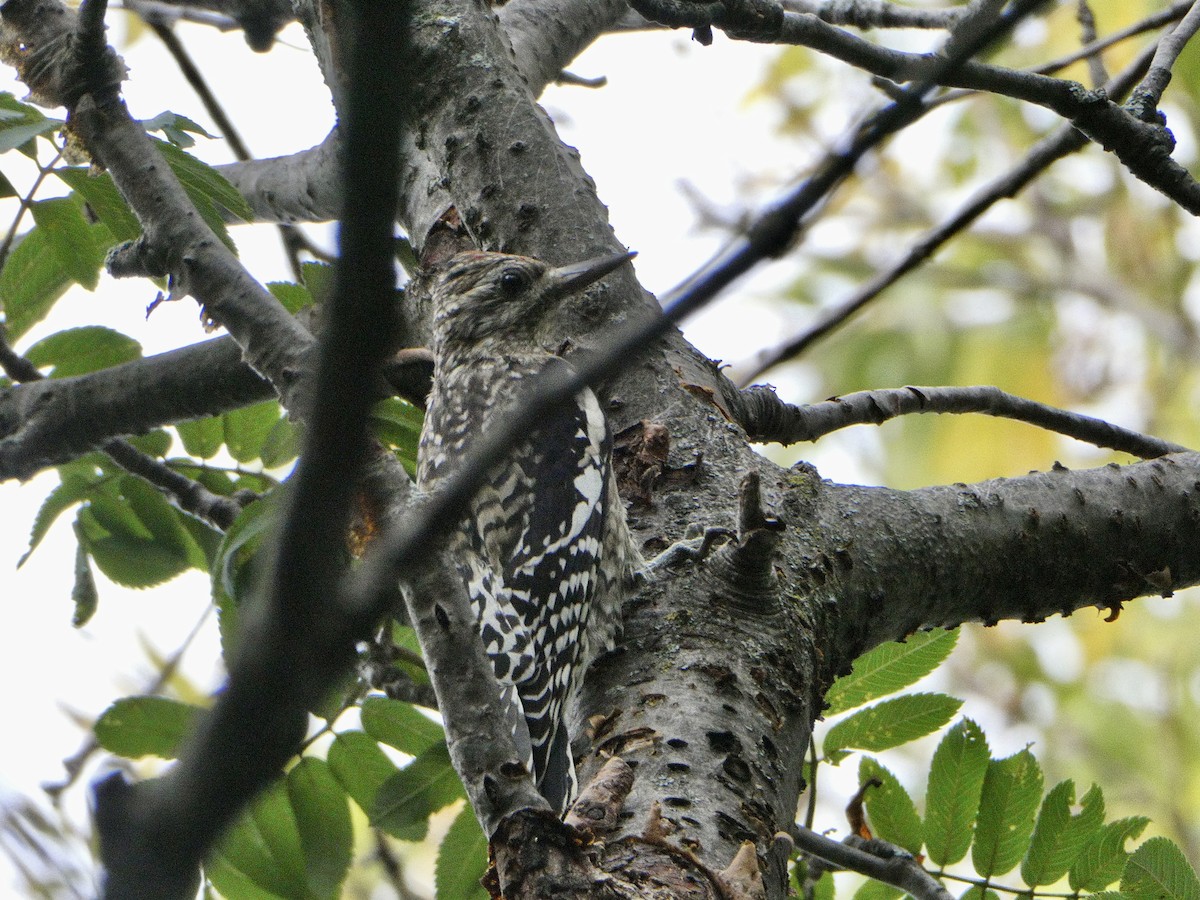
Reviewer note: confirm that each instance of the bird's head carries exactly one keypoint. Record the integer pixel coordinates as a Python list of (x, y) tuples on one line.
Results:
[(478, 296)]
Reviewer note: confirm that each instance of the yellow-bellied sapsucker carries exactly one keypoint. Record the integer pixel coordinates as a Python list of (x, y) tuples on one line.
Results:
[(544, 551)]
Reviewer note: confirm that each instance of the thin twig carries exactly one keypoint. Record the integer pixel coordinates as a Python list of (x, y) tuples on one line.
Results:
[(1087, 25), (1066, 139), (770, 419), (1146, 98), (775, 230), (26, 202), (74, 763)]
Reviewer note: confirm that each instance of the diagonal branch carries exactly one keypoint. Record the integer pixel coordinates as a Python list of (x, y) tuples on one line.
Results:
[(1062, 142), (767, 418)]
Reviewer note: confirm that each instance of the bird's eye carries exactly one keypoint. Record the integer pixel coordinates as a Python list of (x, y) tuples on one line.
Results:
[(513, 281)]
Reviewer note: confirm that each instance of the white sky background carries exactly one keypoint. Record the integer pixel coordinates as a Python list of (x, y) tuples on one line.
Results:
[(672, 110)]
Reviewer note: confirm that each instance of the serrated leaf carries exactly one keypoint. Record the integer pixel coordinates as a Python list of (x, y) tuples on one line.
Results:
[(889, 668), (294, 297), (409, 797), (161, 519), (891, 723), (462, 860), (30, 282), (318, 278), (175, 128), (322, 816), (890, 810), (103, 198), (204, 184), (400, 725), (70, 239), (73, 489), (246, 429), (362, 769), (77, 351), (261, 856), (134, 727), (956, 775), (1158, 870), (122, 549), (1059, 837), (1103, 860), (1012, 789), (83, 590)]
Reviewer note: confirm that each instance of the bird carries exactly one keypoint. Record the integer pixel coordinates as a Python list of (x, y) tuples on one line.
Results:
[(544, 550)]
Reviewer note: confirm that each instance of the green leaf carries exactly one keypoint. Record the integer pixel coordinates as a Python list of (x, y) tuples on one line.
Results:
[(323, 822), (246, 429), (77, 351), (282, 443), (30, 282), (890, 809), (976, 892), (888, 668), (362, 769), (462, 860), (1059, 837), (232, 571), (73, 489), (134, 727), (83, 590), (152, 443), (1012, 789), (135, 536), (294, 297), (397, 423), (207, 188), (6, 187), (69, 238), (175, 128), (318, 278), (891, 723), (262, 856), (1158, 870), (956, 775), (400, 725), (409, 797), (103, 198), (20, 123), (877, 890), (1103, 859), (202, 438)]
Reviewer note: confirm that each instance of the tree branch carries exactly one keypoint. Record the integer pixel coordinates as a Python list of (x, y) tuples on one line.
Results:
[(899, 870), (767, 418), (1019, 548), (1066, 139)]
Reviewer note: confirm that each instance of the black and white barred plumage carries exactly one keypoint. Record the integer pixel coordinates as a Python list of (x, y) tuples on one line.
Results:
[(545, 551)]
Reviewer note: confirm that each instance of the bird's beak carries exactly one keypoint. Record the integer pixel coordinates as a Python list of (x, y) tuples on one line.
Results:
[(567, 280)]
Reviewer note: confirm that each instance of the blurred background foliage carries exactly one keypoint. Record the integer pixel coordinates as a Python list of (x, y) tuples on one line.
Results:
[(1082, 292)]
